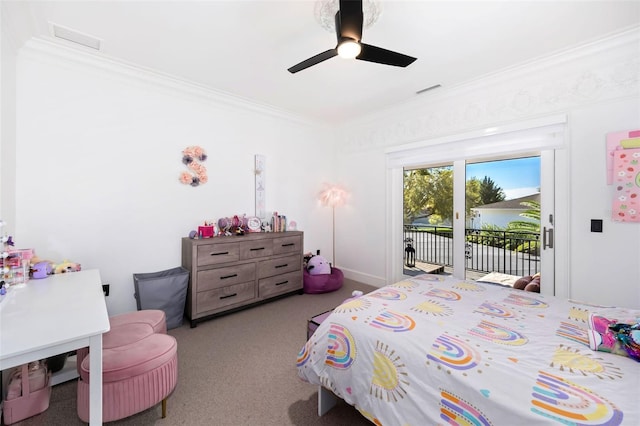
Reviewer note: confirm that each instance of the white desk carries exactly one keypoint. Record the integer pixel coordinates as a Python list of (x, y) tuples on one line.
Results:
[(55, 315)]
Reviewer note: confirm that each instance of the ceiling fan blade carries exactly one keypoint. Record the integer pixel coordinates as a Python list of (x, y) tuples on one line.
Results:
[(313, 60), (349, 20), (383, 56)]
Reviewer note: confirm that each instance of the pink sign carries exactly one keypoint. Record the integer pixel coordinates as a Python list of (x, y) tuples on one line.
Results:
[(626, 179), (617, 141)]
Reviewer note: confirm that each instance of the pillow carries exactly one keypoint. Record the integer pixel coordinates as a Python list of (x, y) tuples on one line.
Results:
[(533, 286), (613, 336), (521, 283)]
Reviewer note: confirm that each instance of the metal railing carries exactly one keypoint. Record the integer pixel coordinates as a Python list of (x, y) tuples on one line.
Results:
[(514, 253)]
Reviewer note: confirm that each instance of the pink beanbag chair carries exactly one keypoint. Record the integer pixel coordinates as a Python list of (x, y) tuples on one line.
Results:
[(314, 284)]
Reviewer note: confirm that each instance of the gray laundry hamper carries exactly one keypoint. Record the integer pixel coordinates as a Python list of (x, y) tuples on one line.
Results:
[(164, 290)]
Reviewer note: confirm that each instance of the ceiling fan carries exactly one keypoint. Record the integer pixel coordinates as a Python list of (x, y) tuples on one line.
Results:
[(349, 32)]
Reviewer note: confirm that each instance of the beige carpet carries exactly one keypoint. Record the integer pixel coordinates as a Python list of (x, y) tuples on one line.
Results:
[(238, 369)]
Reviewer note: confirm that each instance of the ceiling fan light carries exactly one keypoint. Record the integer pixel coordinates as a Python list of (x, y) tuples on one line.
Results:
[(349, 49)]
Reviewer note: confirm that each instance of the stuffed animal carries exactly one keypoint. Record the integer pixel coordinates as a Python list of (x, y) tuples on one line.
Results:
[(318, 265), (41, 270), (528, 283), (305, 259), (66, 266)]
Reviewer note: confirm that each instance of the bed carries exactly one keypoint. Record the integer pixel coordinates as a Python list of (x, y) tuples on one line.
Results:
[(433, 350)]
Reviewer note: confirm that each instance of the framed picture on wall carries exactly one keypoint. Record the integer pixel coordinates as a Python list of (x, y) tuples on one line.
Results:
[(260, 186)]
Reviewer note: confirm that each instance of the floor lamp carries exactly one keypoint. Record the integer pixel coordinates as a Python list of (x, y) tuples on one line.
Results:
[(333, 196)]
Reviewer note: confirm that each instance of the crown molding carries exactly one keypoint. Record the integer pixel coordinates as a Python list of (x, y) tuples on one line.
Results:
[(40, 48), (597, 71)]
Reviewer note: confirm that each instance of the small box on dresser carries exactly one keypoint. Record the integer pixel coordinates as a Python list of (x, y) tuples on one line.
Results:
[(233, 272)]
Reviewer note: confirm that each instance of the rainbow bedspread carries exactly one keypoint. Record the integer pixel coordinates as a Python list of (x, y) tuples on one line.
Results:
[(435, 350)]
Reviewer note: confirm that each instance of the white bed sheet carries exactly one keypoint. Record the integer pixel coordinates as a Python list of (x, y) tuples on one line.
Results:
[(434, 350)]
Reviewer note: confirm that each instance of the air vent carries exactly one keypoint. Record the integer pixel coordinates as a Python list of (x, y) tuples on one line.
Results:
[(427, 89), (75, 36)]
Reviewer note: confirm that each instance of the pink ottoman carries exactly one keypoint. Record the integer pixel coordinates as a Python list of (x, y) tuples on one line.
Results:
[(154, 319), (135, 375)]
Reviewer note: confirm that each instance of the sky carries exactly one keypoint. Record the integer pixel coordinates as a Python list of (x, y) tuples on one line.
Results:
[(517, 177)]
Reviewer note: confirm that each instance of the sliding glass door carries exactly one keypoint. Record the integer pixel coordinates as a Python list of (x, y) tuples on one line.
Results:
[(540, 140), (502, 229), (486, 219), (428, 219)]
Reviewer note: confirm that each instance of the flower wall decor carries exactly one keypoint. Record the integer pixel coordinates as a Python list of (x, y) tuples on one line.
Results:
[(192, 156)]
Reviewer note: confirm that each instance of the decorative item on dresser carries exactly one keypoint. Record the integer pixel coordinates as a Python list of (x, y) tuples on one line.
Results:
[(233, 272)]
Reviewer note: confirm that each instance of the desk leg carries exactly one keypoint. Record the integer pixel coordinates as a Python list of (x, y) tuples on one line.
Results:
[(95, 384)]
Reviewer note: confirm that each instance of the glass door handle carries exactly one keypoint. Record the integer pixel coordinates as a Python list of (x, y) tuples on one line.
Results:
[(547, 238)]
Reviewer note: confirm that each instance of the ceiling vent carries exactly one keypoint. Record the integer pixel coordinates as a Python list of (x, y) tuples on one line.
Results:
[(75, 36), (427, 89)]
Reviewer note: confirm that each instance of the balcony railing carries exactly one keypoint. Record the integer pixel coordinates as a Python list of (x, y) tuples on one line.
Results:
[(514, 253)]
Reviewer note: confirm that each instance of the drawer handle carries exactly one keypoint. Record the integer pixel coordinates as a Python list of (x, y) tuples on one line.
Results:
[(222, 253), (283, 282), (257, 249), (228, 276), (228, 296), (282, 266), (288, 245)]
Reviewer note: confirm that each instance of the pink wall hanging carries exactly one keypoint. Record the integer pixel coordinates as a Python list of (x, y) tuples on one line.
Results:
[(192, 157), (626, 179)]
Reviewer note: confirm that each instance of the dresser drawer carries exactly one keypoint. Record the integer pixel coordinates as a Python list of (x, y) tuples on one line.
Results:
[(292, 244), (280, 265), (231, 272), (222, 277), (221, 297), (254, 249), (284, 283), (212, 254)]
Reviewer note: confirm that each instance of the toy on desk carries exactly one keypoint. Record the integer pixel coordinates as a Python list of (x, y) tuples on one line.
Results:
[(67, 266), (43, 268)]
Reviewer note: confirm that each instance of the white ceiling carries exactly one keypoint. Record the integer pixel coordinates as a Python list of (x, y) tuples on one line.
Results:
[(244, 48)]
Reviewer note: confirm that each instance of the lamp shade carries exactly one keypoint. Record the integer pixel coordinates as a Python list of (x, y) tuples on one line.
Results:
[(333, 195)]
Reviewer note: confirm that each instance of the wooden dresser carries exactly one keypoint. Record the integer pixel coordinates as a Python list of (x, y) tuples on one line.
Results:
[(230, 273)]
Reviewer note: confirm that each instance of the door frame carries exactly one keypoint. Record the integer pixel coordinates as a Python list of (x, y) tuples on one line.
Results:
[(538, 135)]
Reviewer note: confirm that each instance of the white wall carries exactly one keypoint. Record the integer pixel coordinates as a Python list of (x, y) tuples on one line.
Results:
[(361, 239), (596, 87), (8, 50), (605, 266), (99, 156)]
